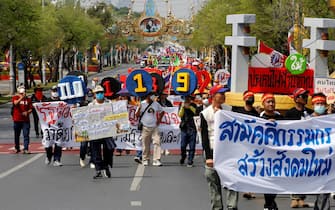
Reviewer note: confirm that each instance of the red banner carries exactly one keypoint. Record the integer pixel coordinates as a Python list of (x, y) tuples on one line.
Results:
[(279, 80)]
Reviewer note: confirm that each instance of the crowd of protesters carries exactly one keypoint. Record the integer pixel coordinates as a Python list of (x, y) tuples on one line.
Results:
[(150, 113)]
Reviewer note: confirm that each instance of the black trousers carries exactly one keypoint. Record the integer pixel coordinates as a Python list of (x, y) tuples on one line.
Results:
[(102, 157), (57, 152), (270, 202)]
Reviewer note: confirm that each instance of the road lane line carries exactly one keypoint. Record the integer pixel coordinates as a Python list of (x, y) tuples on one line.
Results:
[(21, 165), (135, 203), (135, 185)]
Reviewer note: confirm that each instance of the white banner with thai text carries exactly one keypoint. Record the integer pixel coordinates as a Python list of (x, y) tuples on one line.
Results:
[(100, 121), (282, 157), (56, 123)]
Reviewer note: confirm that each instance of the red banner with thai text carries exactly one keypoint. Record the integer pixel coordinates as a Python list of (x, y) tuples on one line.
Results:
[(279, 80)]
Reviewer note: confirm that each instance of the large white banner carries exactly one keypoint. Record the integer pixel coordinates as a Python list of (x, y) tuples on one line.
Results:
[(56, 123), (285, 157), (101, 121), (168, 129)]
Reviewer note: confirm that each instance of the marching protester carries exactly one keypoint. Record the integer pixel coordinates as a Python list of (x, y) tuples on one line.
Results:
[(322, 201), (164, 102), (299, 112), (22, 107), (57, 147), (249, 109), (150, 113), (270, 113), (102, 162), (217, 94), (188, 130), (36, 97)]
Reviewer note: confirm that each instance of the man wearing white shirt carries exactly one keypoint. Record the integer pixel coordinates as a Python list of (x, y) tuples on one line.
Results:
[(151, 119)]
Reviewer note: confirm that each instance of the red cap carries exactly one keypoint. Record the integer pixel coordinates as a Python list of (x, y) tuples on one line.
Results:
[(267, 96), (218, 89), (247, 95), (319, 99), (299, 91)]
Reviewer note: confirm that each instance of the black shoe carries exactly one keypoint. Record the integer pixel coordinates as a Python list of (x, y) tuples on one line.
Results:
[(26, 152), (137, 160), (182, 161), (98, 175), (108, 173), (18, 151)]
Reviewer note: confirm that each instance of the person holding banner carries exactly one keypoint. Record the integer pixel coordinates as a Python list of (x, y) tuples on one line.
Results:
[(22, 107), (152, 113), (188, 130), (102, 163), (322, 201), (217, 94), (36, 97), (299, 112), (248, 109), (270, 113)]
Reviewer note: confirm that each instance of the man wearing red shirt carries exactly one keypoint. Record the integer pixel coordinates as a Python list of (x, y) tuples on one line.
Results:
[(22, 107)]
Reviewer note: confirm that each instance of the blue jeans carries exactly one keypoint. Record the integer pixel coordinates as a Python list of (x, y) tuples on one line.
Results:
[(188, 138), (25, 127)]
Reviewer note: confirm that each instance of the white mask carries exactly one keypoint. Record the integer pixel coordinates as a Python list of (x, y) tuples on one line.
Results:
[(54, 94), (21, 90), (205, 102), (93, 84), (152, 97)]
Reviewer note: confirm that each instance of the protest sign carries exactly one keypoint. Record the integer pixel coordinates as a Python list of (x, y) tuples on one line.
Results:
[(100, 121), (56, 123), (256, 155)]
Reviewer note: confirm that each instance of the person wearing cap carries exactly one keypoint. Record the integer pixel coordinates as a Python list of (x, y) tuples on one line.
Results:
[(102, 162), (188, 130), (270, 113), (37, 97), (299, 112), (22, 107), (319, 102), (217, 94), (151, 118), (248, 109)]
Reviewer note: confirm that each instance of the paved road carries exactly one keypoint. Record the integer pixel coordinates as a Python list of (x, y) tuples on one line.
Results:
[(27, 183)]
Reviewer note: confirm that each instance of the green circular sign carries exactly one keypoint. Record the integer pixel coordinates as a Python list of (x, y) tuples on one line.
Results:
[(296, 64)]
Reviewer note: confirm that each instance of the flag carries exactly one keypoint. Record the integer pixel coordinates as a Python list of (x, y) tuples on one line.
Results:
[(277, 58), (290, 41)]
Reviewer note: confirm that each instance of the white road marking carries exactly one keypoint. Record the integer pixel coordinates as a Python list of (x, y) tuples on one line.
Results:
[(135, 185), (21, 165), (136, 203)]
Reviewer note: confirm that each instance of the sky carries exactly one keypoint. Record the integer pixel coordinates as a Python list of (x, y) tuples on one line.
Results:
[(180, 8)]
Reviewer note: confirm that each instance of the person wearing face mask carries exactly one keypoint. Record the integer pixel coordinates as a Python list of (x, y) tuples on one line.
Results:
[(152, 113), (54, 94), (248, 108), (102, 162), (22, 107), (299, 112), (217, 94), (319, 101)]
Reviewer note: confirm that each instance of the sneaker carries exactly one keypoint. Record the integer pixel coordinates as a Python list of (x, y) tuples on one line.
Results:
[(249, 196), (92, 165), (137, 160), (294, 203), (47, 161), (57, 163), (189, 165), (145, 162), (26, 152), (82, 163), (182, 161), (17, 151), (107, 173), (157, 163), (98, 175)]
